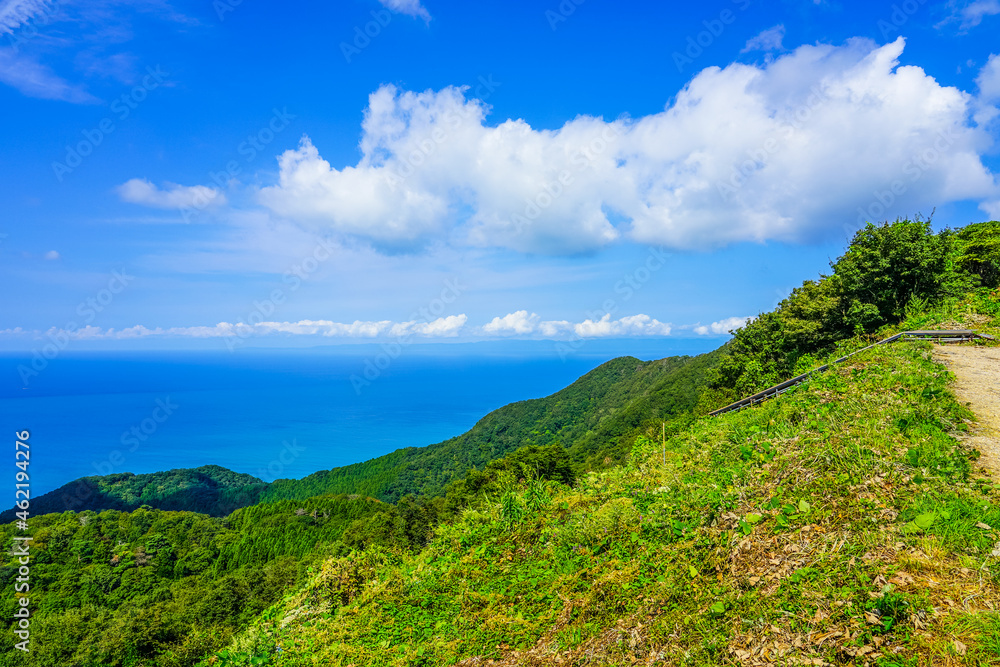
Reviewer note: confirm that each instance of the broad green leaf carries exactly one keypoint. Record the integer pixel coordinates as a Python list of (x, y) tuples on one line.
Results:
[(925, 521), (804, 506)]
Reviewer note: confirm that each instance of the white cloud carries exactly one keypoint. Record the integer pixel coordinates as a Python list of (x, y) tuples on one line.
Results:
[(14, 13), (992, 209), (356, 200), (989, 80), (52, 255), (516, 323), (633, 325), (442, 327), (554, 328), (141, 191), (519, 323), (971, 14), (767, 40), (722, 326), (36, 80), (743, 153), (409, 7)]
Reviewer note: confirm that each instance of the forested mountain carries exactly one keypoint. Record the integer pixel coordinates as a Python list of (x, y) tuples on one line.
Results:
[(594, 417), (116, 588), (209, 489)]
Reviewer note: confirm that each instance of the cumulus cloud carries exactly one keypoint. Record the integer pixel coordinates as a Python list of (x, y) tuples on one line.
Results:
[(142, 192), (519, 322), (356, 200), (633, 325), (992, 209), (722, 326), (742, 153), (409, 7), (989, 80), (442, 327), (767, 40)]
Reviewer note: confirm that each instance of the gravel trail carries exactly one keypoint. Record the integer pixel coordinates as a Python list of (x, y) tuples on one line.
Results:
[(977, 373)]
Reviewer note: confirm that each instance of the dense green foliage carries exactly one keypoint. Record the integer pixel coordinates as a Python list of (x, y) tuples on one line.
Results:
[(596, 418), (209, 490), (118, 588), (980, 254), (838, 524), (163, 588), (888, 272), (887, 267), (535, 538)]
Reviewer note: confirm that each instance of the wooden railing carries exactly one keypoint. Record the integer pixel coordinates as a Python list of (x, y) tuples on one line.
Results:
[(950, 336)]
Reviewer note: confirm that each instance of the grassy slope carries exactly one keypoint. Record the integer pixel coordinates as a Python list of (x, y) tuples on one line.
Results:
[(783, 533)]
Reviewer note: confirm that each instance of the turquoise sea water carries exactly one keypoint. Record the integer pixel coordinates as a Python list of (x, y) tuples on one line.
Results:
[(270, 413)]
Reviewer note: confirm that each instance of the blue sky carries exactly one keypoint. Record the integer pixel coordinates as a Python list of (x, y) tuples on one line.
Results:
[(226, 173)]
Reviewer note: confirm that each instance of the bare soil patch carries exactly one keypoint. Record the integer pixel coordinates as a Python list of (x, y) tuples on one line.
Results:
[(977, 383)]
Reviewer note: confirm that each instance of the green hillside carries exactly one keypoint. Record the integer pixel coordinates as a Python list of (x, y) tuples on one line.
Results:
[(209, 489), (595, 417), (844, 522), (841, 523), (114, 588)]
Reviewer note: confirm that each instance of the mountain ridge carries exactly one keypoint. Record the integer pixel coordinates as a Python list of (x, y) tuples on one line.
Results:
[(618, 388)]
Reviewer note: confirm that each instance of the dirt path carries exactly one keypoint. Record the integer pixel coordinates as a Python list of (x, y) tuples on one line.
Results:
[(977, 373)]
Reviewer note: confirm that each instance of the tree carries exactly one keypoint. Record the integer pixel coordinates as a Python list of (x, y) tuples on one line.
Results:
[(888, 265), (755, 358), (980, 252)]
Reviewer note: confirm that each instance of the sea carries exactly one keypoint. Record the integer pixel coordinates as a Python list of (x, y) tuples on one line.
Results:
[(273, 413)]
